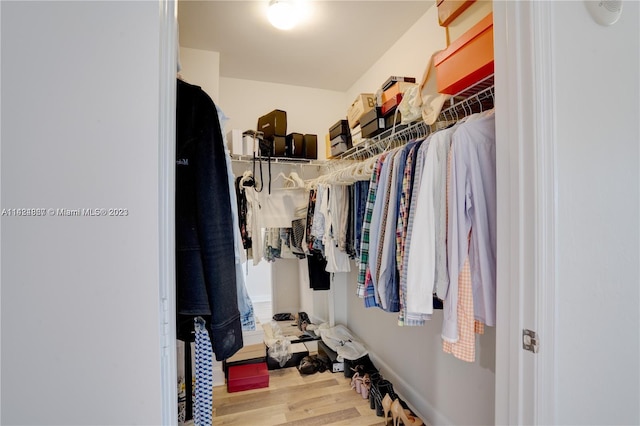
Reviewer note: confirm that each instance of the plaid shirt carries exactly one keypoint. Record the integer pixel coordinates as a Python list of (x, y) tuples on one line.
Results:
[(363, 267), (406, 318)]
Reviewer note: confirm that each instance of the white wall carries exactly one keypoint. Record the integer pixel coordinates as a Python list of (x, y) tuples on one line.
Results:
[(408, 57), (80, 303), (597, 339), (202, 68), (308, 110)]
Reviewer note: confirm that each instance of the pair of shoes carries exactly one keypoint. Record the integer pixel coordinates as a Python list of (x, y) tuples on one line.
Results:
[(382, 387), (356, 382), (387, 402), (365, 387), (399, 414)]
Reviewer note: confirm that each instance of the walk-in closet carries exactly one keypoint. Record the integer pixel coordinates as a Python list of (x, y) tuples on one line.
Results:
[(88, 302)]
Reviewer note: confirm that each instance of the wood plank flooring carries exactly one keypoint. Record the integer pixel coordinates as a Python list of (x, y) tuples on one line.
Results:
[(293, 399)]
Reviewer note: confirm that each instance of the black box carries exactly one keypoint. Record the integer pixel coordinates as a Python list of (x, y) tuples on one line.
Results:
[(336, 366), (391, 118), (295, 145), (340, 144), (279, 146), (365, 361), (310, 147), (273, 124), (340, 128), (294, 361), (372, 123)]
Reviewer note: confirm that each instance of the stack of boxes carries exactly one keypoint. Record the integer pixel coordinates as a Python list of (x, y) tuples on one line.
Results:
[(279, 143), (368, 116)]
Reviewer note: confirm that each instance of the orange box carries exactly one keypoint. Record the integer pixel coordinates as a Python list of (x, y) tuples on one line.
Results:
[(399, 87), (467, 60)]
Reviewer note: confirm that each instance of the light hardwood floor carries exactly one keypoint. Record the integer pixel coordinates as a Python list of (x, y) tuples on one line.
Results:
[(293, 399)]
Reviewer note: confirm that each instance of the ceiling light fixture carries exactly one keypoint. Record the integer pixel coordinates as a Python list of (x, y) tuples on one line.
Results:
[(283, 14)]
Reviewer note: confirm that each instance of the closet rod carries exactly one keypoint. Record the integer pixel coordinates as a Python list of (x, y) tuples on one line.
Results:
[(274, 160)]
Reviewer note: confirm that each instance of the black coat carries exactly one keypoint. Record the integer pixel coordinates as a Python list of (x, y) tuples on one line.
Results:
[(205, 257)]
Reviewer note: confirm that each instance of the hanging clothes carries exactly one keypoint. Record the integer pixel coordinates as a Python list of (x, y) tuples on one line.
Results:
[(245, 306), (205, 252), (407, 317), (203, 403), (333, 208), (472, 210), (421, 267)]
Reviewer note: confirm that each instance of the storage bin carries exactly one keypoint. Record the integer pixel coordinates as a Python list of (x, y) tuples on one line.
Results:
[(310, 147), (363, 103), (295, 145), (273, 124), (248, 376), (467, 60)]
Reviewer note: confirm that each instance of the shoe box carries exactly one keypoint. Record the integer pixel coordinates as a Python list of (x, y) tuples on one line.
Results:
[(248, 376), (336, 366), (297, 350)]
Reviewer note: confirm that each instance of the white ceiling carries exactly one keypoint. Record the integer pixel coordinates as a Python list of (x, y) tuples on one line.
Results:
[(338, 43)]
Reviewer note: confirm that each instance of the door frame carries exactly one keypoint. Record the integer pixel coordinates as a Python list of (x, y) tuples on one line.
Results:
[(168, 56), (527, 210)]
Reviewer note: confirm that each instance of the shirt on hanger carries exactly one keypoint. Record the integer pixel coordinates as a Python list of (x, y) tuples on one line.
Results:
[(472, 208)]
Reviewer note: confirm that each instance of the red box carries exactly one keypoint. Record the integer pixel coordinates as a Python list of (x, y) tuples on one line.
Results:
[(467, 60), (390, 106), (248, 376)]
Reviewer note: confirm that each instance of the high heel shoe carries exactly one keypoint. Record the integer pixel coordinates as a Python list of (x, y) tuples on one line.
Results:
[(365, 387), (356, 383), (386, 406), (399, 414), (382, 388)]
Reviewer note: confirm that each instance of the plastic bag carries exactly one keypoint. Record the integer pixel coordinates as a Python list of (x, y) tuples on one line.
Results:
[(410, 107), (280, 351)]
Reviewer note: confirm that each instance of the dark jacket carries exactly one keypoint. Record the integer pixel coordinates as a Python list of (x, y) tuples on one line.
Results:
[(205, 258)]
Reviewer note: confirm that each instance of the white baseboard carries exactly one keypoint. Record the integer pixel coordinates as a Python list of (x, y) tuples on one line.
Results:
[(416, 402)]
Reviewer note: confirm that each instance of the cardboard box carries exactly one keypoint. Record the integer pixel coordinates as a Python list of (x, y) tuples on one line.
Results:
[(363, 103), (310, 147), (273, 124), (295, 145), (234, 140), (327, 145), (259, 350), (467, 60), (448, 10), (394, 79), (248, 376), (356, 134)]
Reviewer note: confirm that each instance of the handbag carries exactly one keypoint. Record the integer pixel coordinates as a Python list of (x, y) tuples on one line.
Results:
[(429, 101)]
